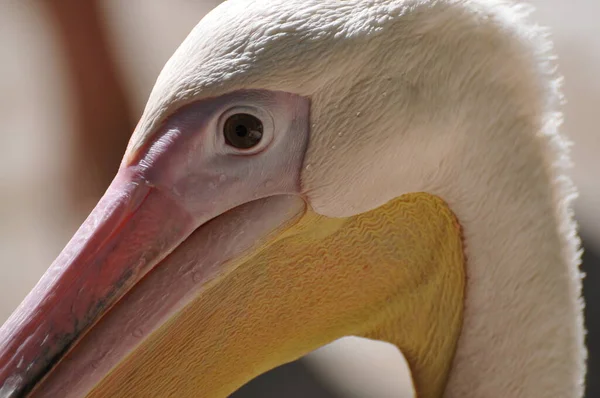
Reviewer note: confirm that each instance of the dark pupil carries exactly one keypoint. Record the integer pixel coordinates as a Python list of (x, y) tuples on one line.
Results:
[(243, 131)]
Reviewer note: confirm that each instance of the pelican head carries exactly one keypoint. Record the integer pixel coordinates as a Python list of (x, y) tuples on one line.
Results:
[(307, 170)]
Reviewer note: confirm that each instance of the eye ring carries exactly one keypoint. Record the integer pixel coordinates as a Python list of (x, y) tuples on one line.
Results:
[(257, 120), (243, 131)]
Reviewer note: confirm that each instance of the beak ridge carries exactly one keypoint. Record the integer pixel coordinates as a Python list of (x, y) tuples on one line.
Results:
[(106, 257)]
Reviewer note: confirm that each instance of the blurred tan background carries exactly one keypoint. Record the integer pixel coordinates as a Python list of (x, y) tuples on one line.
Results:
[(48, 183)]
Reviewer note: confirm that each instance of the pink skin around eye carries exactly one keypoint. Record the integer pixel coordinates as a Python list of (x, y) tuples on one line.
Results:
[(185, 180)]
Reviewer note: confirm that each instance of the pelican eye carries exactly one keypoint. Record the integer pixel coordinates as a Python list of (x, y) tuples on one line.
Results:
[(243, 131)]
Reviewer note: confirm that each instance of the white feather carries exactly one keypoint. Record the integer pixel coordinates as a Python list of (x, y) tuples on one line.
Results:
[(456, 98)]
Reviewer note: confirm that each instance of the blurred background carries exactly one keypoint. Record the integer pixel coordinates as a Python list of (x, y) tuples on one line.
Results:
[(74, 77)]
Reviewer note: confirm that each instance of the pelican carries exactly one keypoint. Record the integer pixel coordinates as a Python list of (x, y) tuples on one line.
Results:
[(307, 170)]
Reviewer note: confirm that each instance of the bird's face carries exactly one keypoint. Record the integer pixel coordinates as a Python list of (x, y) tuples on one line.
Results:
[(247, 224)]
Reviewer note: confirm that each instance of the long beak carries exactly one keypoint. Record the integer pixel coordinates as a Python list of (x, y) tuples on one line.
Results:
[(109, 254), (132, 229), (183, 283), (170, 188), (202, 262)]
